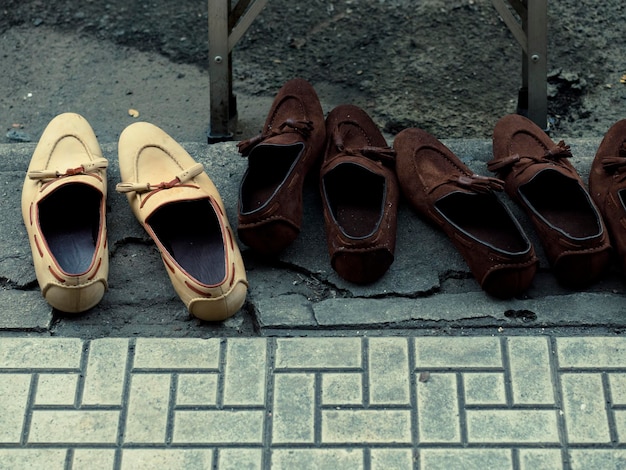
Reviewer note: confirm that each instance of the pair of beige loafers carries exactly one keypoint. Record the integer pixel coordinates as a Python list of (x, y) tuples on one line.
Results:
[(64, 206)]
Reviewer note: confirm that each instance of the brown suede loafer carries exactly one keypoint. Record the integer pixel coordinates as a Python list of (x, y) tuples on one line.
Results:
[(539, 178), (270, 197), (443, 189), (607, 185), (360, 196), (64, 206)]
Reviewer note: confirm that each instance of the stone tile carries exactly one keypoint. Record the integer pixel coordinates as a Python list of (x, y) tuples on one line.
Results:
[(14, 393), (512, 426), (245, 372), (321, 353), (606, 459), (218, 426), (11, 459), (56, 389), (73, 427), (317, 459), (342, 389), (291, 310), (148, 405), (620, 425), (484, 388), (584, 408), (93, 459), (197, 389), (438, 409), (391, 459), (148, 459), (240, 459), (388, 371), (294, 408), (106, 369), (40, 353), (453, 353), (617, 383), (591, 352), (366, 426), (466, 459), (535, 459), (531, 374), (188, 353), (34, 312)]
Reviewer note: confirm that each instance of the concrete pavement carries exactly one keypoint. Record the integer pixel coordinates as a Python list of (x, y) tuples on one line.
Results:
[(421, 370)]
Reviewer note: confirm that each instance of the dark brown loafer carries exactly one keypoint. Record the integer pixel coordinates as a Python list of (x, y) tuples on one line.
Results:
[(359, 196), (607, 185), (270, 197), (439, 186), (539, 178)]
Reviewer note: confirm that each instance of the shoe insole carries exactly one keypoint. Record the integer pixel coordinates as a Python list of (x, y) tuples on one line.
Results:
[(191, 233), (562, 203), (484, 218), (355, 197), (70, 222), (268, 167)]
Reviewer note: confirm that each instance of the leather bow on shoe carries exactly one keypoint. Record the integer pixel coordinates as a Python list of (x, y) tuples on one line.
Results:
[(83, 169), (303, 128), (476, 183), (615, 163), (552, 155)]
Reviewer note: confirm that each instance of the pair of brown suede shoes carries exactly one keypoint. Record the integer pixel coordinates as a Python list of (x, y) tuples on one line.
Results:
[(535, 173), (357, 182), (64, 205)]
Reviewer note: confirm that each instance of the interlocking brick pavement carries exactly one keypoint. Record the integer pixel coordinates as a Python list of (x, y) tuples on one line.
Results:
[(483, 402)]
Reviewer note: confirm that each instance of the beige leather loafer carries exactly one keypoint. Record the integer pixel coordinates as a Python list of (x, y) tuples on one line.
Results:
[(63, 205), (182, 211)]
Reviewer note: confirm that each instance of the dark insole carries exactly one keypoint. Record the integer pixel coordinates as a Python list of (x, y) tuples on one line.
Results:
[(356, 197), (70, 222), (563, 203), (484, 218), (191, 233), (268, 166)]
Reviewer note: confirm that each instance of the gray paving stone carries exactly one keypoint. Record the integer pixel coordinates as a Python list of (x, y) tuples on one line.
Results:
[(11, 459), (192, 459), (318, 353), (240, 459), (391, 459), (618, 388), (106, 369), (585, 409), (197, 389), (317, 459), (74, 427), (366, 426), (531, 374), (446, 353), (33, 313), (512, 426), (342, 389), (218, 426), (484, 388), (606, 459), (93, 459), (389, 374), (535, 459), (33, 353), (56, 389), (245, 373), (192, 353), (591, 352), (438, 409), (15, 389), (289, 310), (467, 459), (293, 409), (148, 407), (620, 425)]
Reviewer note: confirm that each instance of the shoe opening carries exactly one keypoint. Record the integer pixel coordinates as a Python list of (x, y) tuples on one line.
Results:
[(192, 234), (70, 222)]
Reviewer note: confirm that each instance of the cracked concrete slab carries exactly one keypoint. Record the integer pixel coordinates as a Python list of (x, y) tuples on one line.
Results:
[(428, 283)]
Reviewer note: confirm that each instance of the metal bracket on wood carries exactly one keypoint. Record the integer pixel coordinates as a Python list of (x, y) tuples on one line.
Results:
[(227, 24), (531, 31)]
